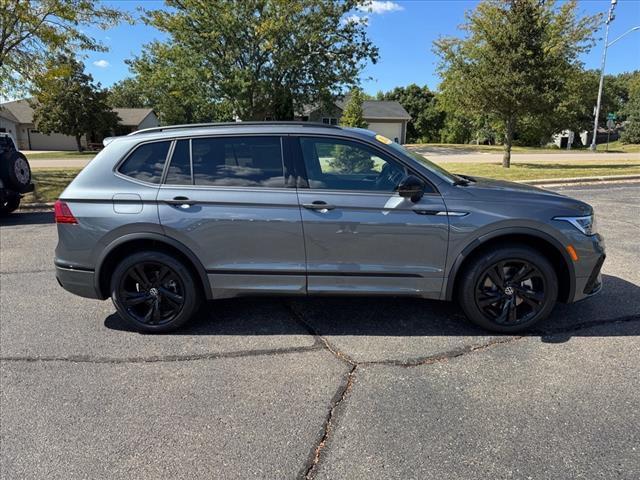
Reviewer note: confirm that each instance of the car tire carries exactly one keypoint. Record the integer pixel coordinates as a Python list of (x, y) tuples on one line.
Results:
[(15, 171), (508, 289), (153, 292), (10, 204)]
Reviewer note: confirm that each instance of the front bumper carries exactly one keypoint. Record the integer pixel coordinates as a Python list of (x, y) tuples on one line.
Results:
[(76, 281), (588, 280)]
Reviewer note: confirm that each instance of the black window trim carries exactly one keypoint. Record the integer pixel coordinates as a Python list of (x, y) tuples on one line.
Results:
[(300, 165)]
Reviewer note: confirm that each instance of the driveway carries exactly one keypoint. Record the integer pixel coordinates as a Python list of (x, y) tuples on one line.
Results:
[(320, 388)]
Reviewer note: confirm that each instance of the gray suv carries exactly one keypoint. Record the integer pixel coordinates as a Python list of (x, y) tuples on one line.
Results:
[(165, 218)]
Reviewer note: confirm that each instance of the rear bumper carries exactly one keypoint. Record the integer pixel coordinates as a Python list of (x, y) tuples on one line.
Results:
[(76, 281)]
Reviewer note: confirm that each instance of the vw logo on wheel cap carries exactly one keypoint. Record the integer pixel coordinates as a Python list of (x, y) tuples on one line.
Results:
[(509, 291)]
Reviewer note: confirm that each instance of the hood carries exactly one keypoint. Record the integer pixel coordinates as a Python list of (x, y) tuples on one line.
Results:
[(487, 189)]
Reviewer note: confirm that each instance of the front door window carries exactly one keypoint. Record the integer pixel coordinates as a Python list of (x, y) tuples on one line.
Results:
[(335, 164)]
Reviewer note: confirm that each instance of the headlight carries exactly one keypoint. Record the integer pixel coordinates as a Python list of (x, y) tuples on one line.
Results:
[(586, 224)]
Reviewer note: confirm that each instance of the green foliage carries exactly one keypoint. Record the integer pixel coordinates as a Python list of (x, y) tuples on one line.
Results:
[(427, 118), (353, 115), (66, 101), (266, 58), (173, 83), (631, 133), (514, 61), (346, 159), (31, 30)]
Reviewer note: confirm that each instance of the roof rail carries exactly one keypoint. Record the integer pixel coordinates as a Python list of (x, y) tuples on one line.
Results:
[(231, 124)]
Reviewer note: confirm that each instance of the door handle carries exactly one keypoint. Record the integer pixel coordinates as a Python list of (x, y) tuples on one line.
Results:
[(319, 205), (182, 202)]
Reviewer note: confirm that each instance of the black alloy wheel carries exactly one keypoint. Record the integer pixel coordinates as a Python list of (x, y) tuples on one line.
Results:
[(507, 289), (154, 292), (510, 292)]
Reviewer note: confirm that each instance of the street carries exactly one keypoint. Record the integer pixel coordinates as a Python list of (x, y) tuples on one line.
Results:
[(326, 388)]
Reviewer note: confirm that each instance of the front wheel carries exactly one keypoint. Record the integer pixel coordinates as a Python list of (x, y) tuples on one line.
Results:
[(154, 292), (509, 289)]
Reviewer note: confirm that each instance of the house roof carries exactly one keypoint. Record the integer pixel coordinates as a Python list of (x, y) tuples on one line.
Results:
[(382, 109), (372, 109), (20, 109), (6, 113), (22, 112), (132, 117)]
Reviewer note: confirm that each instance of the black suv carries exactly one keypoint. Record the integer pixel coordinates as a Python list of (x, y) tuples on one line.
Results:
[(15, 175)]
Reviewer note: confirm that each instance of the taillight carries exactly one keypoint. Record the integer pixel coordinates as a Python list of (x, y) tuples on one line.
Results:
[(63, 213)]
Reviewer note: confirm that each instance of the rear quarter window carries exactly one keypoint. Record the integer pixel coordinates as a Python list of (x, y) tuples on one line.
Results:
[(146, 162)]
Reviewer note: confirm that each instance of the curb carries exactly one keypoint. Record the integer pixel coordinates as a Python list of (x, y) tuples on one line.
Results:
[(603, 179), (541, 182)]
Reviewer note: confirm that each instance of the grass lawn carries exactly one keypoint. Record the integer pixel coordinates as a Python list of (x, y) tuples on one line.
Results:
[(59, 155), (49, 184), (536, 171), (619, 147)]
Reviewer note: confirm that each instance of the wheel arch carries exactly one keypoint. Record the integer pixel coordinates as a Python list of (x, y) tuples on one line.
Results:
[(136, 242), (543, 242)]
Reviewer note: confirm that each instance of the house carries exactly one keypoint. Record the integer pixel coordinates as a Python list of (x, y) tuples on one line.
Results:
[(385, 117), (17, 118)]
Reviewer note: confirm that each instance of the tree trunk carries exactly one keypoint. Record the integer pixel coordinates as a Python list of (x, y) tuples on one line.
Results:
[(508, 141), (79, 142)]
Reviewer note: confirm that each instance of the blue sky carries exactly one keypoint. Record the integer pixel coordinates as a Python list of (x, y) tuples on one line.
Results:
[(404, 32)]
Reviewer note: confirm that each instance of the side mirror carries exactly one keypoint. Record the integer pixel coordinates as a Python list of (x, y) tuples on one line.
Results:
[(411, 187)]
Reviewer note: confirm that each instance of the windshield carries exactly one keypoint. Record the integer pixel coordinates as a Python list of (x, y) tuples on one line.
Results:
[(437, 169)]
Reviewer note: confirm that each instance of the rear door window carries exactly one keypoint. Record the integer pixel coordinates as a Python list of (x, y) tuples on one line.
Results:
[(146, 162), (238, 161), (179, 172)]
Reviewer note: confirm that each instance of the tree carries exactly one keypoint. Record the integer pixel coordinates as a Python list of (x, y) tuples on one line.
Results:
[(352, 115), (66, 101), (174, 84), (427, 119), (31, 30), (514, 61), (268, 58), (631, 133)]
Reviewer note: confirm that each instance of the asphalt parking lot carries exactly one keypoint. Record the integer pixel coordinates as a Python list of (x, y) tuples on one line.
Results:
[(319, 388)]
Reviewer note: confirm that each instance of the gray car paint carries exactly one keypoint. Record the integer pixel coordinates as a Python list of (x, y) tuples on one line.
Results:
[(260, 241)]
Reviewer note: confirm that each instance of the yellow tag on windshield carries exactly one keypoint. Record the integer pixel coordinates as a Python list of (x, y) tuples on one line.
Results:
[(383, 139)]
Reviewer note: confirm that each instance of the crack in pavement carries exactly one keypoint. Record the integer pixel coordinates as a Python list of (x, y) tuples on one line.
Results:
[(16, 272), (309, 470), (166, 358)]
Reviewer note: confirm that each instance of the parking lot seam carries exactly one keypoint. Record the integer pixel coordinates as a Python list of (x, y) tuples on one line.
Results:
[(297, 316), (167, 358), (444, 356), (584, 325), (309, 471)]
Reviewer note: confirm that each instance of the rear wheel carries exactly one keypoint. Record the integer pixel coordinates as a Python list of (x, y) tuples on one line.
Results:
[(15, 171), (154, 292), (509, 289), (9, 204)]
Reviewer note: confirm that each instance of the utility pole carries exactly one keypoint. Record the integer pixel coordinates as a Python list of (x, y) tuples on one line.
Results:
[(604, 58)]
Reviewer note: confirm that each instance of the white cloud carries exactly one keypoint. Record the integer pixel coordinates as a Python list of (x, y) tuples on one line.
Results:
[(381, 6), (101, 63), (356, 19)]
